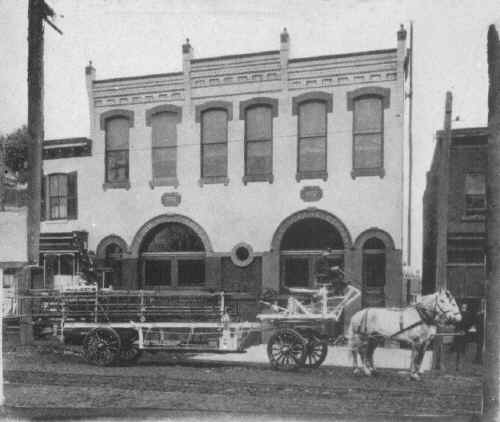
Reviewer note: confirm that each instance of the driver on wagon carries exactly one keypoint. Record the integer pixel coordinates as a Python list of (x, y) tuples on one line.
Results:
[(328, 273)]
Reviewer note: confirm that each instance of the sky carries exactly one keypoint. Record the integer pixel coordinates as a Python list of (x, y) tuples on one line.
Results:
[(135, 37)]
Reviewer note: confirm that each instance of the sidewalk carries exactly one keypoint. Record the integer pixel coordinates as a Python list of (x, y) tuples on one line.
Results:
[(337, 356)]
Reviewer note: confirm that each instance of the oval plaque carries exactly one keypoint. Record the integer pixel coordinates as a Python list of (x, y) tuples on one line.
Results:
[(171, 199), (311, 193)]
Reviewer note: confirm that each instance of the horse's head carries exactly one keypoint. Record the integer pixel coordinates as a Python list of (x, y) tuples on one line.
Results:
[(447, 307)]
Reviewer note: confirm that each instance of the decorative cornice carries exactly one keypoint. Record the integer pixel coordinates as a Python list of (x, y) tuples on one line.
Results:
[(225, 105), (325, 97), (127, 114), (369, 91), (67, 148), (271, 102), (163, 108)]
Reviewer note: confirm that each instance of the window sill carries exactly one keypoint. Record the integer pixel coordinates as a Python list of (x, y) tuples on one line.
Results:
[(164, 181), (177, 289), (380, 171), (258, 178), (116, 185), (56, 221), (321, 174), (211, 180)]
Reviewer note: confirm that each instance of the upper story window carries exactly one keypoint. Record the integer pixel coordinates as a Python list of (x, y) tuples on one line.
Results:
[(312, 140), (368, 134), (163, 120), (368, 106), (312, 109), (258, 143), (214, 145), (117, 124), (117, 150), (475, 194), (59, 196)]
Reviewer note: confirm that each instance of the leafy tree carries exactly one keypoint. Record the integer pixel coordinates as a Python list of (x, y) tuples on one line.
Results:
[(15, 151)]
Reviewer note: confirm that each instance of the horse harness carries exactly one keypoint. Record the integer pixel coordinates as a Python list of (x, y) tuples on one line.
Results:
[(424, 315)]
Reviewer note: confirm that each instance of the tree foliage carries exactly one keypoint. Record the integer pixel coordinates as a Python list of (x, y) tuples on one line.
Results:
[(15, 151)]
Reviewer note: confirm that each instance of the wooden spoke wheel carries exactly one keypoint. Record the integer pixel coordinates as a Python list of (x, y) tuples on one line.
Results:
[(101, 346), (286, 350), (316, 350)]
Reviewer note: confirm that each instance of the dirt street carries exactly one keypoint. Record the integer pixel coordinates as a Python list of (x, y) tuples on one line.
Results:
[(59, 381)]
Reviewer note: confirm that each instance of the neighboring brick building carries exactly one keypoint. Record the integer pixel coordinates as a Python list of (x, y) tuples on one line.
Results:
[(235, 173), (465, 217)]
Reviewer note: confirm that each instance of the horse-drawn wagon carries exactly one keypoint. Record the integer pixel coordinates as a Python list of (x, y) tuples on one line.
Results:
[(298, 331)]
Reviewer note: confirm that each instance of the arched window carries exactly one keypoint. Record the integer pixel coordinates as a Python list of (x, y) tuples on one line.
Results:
[(301, 247), (113, 264), (214, 145), (374, 270), (173, 255), (311, 161), (117, 151), (368, 134), (258, 143)]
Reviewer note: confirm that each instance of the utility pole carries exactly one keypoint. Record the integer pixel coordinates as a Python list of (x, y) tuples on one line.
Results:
[(410, 142), (442, 215), (38, 12), (491, 378)]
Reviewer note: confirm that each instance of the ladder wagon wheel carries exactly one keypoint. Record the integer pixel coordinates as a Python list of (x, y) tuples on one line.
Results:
[(101, 346), (286, 350), (316, 350)]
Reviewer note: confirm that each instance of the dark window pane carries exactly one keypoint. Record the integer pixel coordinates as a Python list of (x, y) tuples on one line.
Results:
[(191, 272), (312, 119), (117, 134), (367, 151), (475, 194), (164, 162), (296, 272), (465, 256), (311, 234), (259, 157), (164, 130), (66, 264), (158, 273), (374, 270), (117, 166), (214, 126), (368, 115), (214, 160), (312, 154), (258, 123), (58, 196)]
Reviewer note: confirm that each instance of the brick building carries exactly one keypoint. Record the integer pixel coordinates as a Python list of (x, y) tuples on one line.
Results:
[(464, 219), (235, 173)]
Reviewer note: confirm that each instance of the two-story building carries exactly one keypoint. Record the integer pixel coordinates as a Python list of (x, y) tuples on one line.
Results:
[(235, 173), (464, 217)]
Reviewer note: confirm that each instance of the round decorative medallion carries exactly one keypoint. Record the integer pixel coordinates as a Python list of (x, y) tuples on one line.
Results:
[(242, 254)]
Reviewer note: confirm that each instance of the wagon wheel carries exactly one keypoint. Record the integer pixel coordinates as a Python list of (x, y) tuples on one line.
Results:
[(286, 350), (101, 346), (316, 350)]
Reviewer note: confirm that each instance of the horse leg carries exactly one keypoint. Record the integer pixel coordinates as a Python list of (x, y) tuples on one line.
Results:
[(413, 362), (420, 357), (364, 357), (417, 361), (372, 345), (354, 346)]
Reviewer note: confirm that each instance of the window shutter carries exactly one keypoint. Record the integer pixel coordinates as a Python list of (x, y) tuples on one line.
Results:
[(72, 196), (43, 199)]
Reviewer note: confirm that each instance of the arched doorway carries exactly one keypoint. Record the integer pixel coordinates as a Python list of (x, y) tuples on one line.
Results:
[(172, 255), (301, 246), (374, 272), (112, 262)]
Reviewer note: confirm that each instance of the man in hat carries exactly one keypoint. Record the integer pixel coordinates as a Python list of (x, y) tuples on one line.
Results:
[(328, 273)]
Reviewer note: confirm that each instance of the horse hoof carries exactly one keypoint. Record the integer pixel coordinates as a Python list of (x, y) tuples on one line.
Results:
[(367, 372), (356, 371), (374, 372), (415, 377)]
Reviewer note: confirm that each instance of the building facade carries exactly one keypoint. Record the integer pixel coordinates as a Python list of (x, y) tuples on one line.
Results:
[(464, 219), (235, 173)]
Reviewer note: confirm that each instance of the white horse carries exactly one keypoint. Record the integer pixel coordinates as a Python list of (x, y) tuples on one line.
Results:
[(416, 325)]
